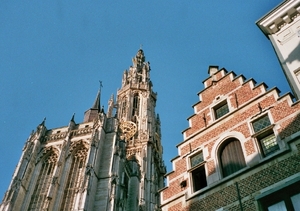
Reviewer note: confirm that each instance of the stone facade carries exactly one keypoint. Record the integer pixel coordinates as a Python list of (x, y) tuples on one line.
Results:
[(241, 148), (282, 27), (111, 161)]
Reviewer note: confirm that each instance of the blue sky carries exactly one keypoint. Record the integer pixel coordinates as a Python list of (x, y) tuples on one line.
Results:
[(53, 54)]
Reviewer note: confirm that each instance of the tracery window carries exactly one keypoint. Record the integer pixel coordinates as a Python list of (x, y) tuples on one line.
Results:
[(231, 157), (123, 109), (75, 179), (39, 196)]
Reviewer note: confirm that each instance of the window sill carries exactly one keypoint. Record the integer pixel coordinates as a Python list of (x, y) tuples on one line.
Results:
[(270, 127)]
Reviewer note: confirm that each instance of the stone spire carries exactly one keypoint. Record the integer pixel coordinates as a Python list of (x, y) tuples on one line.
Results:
[(96, 104), (90, 114)]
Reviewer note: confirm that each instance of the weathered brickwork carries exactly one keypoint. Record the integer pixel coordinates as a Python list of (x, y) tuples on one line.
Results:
[(211, 168), (244, 129), (289, 127), (247, 103), (264, 178), (283, 109), (176, 207), (200, 120), (180, 167), (249, 146), (231, 124), (239, 117), (224, 87), (216, 200), (245, 93), (209, 146), (218, 76), (174, 188)]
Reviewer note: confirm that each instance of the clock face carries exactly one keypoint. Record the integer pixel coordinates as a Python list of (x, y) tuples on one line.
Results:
[(128, 129)]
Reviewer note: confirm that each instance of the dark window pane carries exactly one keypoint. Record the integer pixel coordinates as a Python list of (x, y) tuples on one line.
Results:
[(199, 178), (221, 111)]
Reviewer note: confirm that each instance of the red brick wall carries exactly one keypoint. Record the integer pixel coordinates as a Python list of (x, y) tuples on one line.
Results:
[(249, 146), (176, 207), (180, 167), (174, 188), (243, 94), (246, 103)]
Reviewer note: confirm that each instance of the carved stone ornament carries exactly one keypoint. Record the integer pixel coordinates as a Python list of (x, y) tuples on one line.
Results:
[(143, 135), (80, 147), (145, 94), (47, 150), (128, 129)]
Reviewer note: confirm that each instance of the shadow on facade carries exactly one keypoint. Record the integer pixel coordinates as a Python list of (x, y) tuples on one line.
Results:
[(239, 191), (294, 55), (292, 127)]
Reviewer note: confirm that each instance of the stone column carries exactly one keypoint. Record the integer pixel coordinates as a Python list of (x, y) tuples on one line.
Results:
[(133, 185)]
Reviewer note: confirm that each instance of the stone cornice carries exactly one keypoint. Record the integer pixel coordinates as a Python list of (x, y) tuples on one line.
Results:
[(58, 136), (281, 15)]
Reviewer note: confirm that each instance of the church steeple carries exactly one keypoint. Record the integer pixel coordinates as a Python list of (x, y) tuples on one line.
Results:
[(91, 113)]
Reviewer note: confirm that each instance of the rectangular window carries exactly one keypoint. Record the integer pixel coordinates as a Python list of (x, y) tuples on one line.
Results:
[(221, 109), (199, 178), (198, 172), (196, 159), (278, 206), (268, 144), (265, 135), (296, 201), (287, 198), (261, 123)]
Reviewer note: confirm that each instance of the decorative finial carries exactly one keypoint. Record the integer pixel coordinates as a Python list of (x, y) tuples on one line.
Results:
[(100, 85), (141, 46), (43, 122), (72, 119)]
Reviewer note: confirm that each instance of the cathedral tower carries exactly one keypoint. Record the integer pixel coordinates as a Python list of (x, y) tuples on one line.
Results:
[(110, 162), (136, 111)]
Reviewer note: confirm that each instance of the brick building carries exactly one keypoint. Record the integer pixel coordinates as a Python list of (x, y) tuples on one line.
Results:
[(241, 150)]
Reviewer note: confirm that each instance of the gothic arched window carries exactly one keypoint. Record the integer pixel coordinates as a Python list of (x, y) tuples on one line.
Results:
[(123, 108), (136, 104), (75, 179), (39, 195), (231, 157)]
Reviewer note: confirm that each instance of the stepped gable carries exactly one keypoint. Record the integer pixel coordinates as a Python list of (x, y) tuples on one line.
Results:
[(242, 102)]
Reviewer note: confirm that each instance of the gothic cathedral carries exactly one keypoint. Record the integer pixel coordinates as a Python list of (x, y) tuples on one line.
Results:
[(110, 162)]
